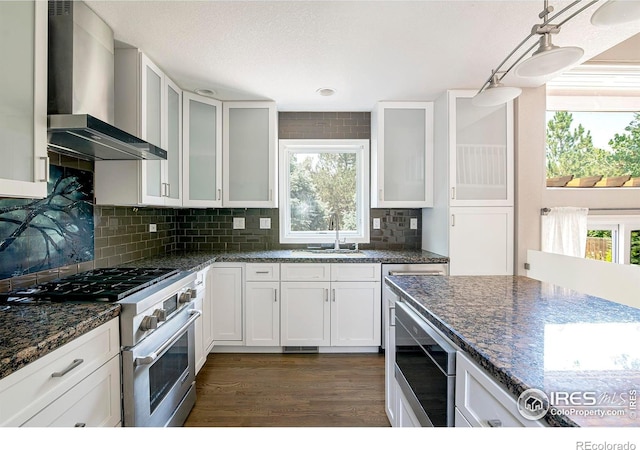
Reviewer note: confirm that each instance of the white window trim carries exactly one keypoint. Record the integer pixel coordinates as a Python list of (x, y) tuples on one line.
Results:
[(621, 225), (358, 146)]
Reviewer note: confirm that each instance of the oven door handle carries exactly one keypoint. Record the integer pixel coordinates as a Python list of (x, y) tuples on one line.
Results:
[(145, 360)]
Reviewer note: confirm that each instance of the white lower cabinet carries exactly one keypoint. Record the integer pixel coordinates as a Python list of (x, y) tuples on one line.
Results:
[(94, 402), (202, 325), (76, 384), (305, 314), (390, 395), (405, 418), (226, 298), (263, 313), (318, 310), (484, 403)]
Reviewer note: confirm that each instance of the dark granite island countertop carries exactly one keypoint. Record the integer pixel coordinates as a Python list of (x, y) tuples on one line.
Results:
[(28, 332), (199, 260), (529, 334)]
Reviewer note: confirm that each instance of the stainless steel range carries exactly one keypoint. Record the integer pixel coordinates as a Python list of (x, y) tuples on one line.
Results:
[(156, 335)]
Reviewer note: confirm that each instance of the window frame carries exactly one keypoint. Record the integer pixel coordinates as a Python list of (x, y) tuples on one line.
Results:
[(621, 226), (358, 146)]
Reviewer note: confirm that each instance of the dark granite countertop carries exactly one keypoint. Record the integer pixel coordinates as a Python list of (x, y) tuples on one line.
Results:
[(529, 334), (28, 332), (199, 260)]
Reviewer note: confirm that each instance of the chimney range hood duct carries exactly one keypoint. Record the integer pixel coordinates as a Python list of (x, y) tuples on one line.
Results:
[(81, 89)]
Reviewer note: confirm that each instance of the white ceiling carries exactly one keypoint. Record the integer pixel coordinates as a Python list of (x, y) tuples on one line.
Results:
[(367, 50)]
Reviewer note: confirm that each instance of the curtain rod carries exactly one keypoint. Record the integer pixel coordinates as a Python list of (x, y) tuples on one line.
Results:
[(545, 211)]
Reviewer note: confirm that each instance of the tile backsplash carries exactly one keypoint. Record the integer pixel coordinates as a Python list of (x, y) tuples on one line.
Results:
[(121, 234)]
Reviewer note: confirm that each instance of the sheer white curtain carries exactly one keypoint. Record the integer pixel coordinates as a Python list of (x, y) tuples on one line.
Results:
[(564, 231)]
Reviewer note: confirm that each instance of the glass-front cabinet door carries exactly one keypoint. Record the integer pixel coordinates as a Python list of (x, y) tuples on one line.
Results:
[(249, 154), (402, 155), (202, 151), (172, 170), (481, 152), (151, 127), (23, 99)]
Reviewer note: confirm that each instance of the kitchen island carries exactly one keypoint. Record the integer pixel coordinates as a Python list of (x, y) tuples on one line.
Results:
[(528, 334)]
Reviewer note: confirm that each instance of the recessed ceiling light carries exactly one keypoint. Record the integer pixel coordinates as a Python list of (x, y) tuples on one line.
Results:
[(326, 91), (205, 92)]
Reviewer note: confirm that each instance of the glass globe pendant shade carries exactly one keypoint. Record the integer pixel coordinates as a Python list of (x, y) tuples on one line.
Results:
[(549, 59), (495, 94), (615, 12)]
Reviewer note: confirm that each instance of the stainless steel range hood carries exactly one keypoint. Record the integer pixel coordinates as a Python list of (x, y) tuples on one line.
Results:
[(81, 89)]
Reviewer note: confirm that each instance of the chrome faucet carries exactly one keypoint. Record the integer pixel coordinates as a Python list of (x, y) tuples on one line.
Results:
[(334, 224)]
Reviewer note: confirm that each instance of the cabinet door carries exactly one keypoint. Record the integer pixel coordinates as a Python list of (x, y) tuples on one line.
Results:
[(249, 154), (263, 313), (402, 155), (481, 241), (226, 311), (24, 171), (151, 107), (202, 151), (206, 280), (305, 314), (481, 152), (355, 314), (200, 355), (172, 143), (405, 417), (390, 401)]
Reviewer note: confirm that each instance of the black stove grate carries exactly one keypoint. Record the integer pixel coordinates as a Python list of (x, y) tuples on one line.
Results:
[(108, 285)]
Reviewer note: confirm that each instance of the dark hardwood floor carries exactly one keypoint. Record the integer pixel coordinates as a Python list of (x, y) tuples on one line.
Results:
[(290, 390)]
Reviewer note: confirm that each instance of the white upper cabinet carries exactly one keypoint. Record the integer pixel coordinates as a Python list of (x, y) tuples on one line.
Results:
[(402, 155), (148, 105), (480, 152), (23, 100), (249, 155), (202, 151)]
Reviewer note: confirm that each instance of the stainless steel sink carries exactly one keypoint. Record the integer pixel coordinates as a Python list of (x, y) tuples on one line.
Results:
[(330, 252)]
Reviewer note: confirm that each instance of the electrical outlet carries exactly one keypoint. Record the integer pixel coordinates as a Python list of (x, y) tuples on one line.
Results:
[(238, 223), (413, 223), (376, 223), (153, 228), (265, 223)]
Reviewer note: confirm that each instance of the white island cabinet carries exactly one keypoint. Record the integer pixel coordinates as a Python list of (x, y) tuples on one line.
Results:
[(24, 171), (472, 218), (148, 104), (402, 155), (76, 385)]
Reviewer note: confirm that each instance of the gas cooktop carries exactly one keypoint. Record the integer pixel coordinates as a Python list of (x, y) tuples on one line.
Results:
[(108, 285)]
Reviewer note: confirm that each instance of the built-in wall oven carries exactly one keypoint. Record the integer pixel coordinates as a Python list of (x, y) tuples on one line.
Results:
[(424, 367)]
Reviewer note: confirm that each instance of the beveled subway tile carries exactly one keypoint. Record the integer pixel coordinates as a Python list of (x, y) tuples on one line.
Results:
[(47, 275)]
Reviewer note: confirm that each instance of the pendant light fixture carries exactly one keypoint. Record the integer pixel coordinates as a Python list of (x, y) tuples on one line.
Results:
[(548, 58), (616, 12), (495, 94)]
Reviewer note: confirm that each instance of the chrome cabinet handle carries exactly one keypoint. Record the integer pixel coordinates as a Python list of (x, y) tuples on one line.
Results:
[(219, 194), (380, 194), (392, 316), (333, 295), (494, 423), (275, 295), (144, 360), (453, 193), (73, 365), (453, 220), (263, 272), (46, 161), (80, 425), (326, 295)]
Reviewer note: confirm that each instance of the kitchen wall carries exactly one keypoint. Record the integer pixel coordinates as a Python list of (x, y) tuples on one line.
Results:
[(122, 233)]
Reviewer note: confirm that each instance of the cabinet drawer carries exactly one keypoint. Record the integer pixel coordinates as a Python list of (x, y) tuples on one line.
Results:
[(30, 389), (94, 402), (262, 272), (355, 272), (480, 399), (305, 272)]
